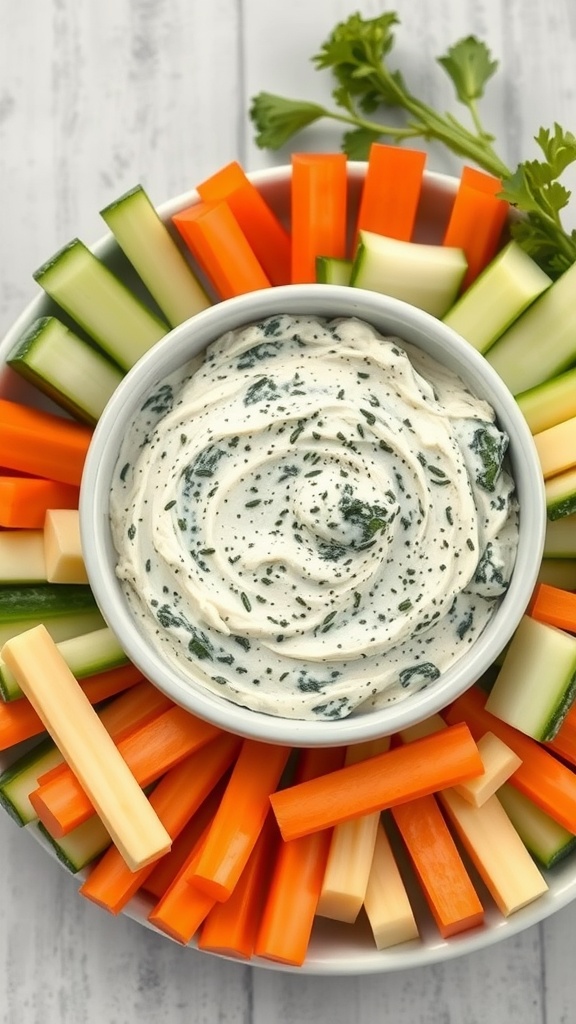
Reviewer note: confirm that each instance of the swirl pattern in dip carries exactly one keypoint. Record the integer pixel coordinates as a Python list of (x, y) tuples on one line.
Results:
[(316, 519)]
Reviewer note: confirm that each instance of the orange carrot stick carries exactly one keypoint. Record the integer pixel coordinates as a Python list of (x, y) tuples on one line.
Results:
[(476, 220), (175, 799), (445, 882), (183, 907), (239, 818), (473, 177), (319, 203), (221, 248), (564, 742), (19, 721), (103, 685), (38, 442), (403, 773), (391, 191), (231, 927), (267, 237), (554, 606), (294, 890), (170, 865), (24, 500), (543, 778), (61, 804)]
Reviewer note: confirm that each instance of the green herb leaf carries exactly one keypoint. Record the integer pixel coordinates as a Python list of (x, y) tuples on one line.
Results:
[(277, 119), (356, 144), (355, 48), (356, 53), (469, 65)]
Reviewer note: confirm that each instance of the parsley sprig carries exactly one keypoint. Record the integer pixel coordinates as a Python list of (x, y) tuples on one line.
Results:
[(356, 53)]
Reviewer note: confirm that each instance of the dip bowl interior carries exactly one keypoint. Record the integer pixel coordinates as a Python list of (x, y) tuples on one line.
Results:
[(388, 317)]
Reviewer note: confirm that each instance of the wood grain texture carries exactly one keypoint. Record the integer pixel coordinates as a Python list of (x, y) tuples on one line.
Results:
[(95, 97)]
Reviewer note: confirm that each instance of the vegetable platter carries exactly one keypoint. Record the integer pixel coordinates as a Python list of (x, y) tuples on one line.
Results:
[(429, 926)]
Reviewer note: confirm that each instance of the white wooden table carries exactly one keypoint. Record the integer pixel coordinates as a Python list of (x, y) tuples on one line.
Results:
[(95, 97)]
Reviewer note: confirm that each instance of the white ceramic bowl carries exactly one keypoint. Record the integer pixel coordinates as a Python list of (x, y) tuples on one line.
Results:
[(389, 317)]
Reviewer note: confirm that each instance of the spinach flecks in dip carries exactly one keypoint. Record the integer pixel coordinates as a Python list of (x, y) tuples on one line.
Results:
[(323, 513)]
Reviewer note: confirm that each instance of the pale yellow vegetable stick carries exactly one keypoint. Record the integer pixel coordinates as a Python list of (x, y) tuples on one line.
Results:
[(499, 761), (22, 556), (386, 902), (499, 764), (62, 547), (498, 853), (351, 852), (427, 727), (46, 680), (556, 447)]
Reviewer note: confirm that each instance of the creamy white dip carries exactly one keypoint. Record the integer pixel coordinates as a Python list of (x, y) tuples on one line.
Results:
[(317, 519)]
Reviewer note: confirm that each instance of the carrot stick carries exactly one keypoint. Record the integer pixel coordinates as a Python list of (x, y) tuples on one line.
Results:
[(267, 237), (473, 177), (319, 202), (230, 928), (175, 799), (564, 742), (476, 220), (403, 773), (239, 818), (183, 907), (25, 500), (391, 191), (61, 804), (168, 867), (554, 606), (221, 248), (103, 685), (445, 882), (38, 442), (294, 890), (543, 778), (19, 721)]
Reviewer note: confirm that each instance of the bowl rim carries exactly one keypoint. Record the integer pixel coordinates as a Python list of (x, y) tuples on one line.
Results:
[(211, 323)]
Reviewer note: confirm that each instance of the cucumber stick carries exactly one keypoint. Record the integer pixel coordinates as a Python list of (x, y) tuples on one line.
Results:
[(504, 289), (332, 270), (427, 276), (560, 539), (542, 342), (560, 493), (156, 257), (65, 609), (537, 682), (543, 837), (548, 404), (102, 304), (21, 779), (94, 651), (79, 847), (77, 376)]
